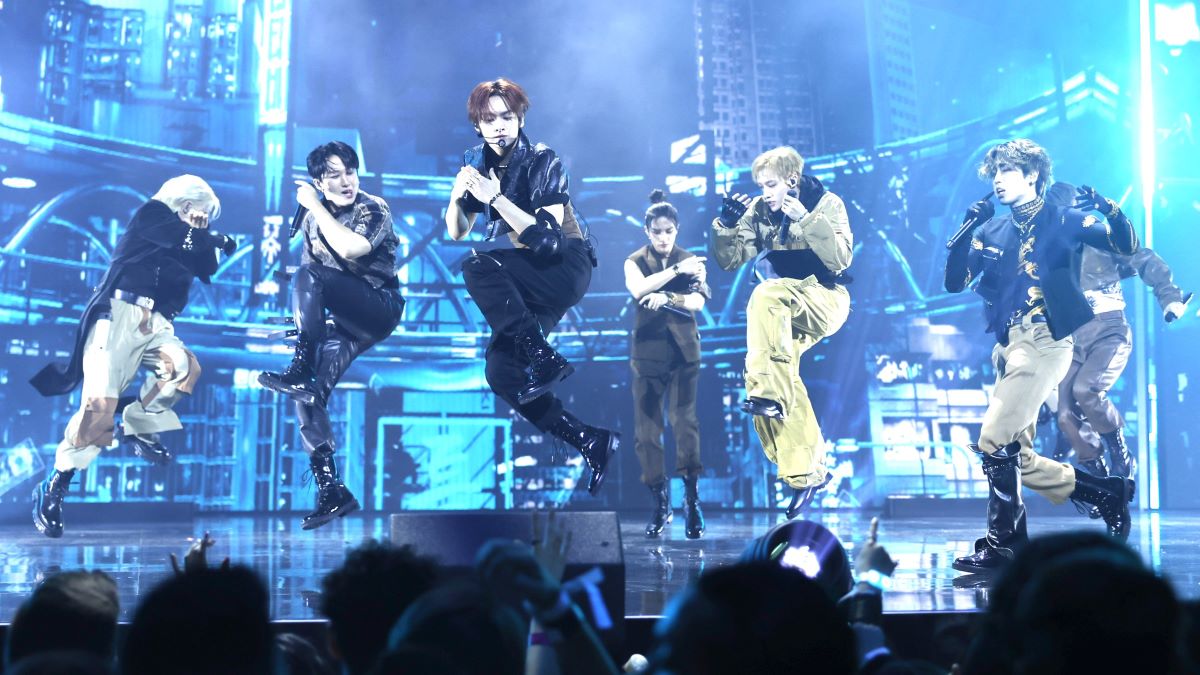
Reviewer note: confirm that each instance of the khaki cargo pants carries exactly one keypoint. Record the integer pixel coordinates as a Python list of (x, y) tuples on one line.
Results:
[(784, 319), (115, 349), (1028, 369)]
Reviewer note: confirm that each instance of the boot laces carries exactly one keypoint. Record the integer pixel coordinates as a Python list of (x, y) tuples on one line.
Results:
[(1082, 508)]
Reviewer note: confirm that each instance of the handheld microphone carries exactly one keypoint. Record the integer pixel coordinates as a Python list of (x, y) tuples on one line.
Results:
[(969, 224), (297, 219)]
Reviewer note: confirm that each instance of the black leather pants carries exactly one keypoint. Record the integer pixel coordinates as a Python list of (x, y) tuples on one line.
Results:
[(515, 291), (362, 315)]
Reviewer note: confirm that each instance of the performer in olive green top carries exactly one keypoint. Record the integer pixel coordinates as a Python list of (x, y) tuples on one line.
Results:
[(798, 235), (668, 283)]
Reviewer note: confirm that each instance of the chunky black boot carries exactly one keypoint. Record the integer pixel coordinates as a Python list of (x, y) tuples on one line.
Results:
[(802, 497), (299, 380), (763, 407), (692, 515), (1099, 469), (663, 514), (1123, 463), (595, 444), (334, 499), (1006, 532), (546, 366), (149, 449), (1111, 496), (47, 502)]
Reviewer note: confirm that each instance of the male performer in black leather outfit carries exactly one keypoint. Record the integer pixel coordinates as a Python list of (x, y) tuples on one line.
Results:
[(1027, 263), (347, 274), (126, 326), (524, 291)]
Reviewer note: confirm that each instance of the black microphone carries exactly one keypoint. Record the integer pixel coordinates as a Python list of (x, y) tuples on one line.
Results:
[(297, 220), (970, 222)]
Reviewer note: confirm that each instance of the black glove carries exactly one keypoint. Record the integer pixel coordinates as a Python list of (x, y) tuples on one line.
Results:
[(227, 244), (731, 212), (980, 212), (1087, 199)]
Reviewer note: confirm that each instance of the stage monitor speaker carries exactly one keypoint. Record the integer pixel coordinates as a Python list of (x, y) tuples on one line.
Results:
[(455, 537)]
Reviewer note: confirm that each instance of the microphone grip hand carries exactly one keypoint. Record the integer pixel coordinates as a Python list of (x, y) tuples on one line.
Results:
[(979, 213)]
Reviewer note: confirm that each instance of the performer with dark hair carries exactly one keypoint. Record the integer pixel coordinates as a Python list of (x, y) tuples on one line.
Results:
[(1086, 416), (1027, 264), (126, 326), (348, 275), (523, 292), (668, 283), (1088, 422), (798, 235)]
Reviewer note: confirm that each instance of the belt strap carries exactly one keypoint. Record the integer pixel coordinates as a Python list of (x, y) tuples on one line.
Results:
[(134, 299)]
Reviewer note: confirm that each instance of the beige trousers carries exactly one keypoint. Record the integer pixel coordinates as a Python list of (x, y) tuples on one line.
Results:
[(784, 319), (113, 353), (1027, 371)]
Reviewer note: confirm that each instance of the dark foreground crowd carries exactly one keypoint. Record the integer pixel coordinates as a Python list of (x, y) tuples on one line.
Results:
[(1070, 603)]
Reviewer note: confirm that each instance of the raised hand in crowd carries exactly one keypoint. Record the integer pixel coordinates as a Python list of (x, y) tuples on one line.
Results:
[(873, 557), (196, 559)]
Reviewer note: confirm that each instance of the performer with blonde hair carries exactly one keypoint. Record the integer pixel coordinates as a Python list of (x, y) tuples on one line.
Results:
[(127, 325), (798, 234)]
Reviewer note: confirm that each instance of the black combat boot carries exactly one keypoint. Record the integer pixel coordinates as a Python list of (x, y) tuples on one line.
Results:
[(802, 497), (693, 517), (299, 380), (1006, 532), (662, 515), (1111, 496), (546, 366), (149, 448), (1123, 463), (1099, 469), (334, 499), (595, 444), (47, 502), (764, 407)]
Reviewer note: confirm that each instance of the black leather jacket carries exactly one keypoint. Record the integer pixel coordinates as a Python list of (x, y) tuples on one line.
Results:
[(157, 256), (535, 177)]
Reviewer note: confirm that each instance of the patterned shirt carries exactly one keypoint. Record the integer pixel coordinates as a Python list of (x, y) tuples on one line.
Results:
[(370, 217), (1026, 293)]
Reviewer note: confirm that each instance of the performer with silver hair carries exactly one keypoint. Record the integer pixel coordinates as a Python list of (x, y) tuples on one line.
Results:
[(127, 325)]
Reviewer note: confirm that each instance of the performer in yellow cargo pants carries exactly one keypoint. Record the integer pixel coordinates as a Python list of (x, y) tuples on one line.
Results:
[(799, 236)]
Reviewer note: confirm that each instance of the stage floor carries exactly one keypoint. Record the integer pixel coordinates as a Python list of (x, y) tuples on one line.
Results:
[(293, 561)]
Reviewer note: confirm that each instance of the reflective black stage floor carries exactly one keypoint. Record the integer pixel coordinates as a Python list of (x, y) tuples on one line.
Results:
[(293, 561)]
